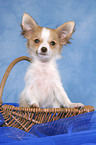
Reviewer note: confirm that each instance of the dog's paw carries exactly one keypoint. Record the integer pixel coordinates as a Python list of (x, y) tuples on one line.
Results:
[(77, 105), (34, 106)]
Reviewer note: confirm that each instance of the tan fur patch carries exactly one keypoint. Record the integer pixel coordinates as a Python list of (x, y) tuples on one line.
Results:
[(31, 36)]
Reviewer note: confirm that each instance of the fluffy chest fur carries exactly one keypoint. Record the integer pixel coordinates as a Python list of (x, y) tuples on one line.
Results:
[(41, 77)]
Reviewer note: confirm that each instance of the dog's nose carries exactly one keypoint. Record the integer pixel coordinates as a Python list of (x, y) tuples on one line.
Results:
[(43, 49)]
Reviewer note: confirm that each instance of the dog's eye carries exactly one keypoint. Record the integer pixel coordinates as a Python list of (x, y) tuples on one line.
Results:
[(53, 43), (36, 40)]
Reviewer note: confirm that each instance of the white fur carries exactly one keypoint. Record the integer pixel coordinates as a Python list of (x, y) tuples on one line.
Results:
[(45, 37), (43, 84)]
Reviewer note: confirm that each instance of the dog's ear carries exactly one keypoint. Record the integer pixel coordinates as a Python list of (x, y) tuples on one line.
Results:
[(28, 24), (65, 32)]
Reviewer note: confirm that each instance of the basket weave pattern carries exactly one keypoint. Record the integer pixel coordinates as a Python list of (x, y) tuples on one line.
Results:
[(24, 117)]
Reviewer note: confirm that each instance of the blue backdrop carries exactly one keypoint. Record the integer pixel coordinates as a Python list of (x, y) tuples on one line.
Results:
[(78, 64)]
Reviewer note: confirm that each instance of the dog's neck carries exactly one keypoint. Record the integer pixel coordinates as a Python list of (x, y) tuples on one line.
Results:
[(43, 67)]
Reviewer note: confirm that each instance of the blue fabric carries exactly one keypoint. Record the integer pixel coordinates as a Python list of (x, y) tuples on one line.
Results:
[(83, 122), (14, 136), (77, 130)]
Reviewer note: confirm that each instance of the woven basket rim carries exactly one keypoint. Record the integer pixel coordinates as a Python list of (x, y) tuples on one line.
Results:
[(87, 108)]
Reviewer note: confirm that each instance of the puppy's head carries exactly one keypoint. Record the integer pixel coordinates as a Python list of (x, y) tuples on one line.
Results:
[(45, 43)]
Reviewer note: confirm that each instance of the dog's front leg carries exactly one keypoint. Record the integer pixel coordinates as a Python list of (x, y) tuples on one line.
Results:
[(28, 98), (62, 97)]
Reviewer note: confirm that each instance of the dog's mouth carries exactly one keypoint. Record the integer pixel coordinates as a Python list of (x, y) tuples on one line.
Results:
[(43, 56)]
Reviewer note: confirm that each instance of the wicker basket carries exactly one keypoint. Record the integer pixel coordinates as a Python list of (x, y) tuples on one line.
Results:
[(23, 118)]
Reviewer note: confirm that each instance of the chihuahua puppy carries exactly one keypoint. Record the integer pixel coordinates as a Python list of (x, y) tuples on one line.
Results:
[(43, 86)]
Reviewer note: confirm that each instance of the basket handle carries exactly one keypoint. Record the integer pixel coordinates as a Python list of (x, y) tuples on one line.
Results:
[(7, 72)]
